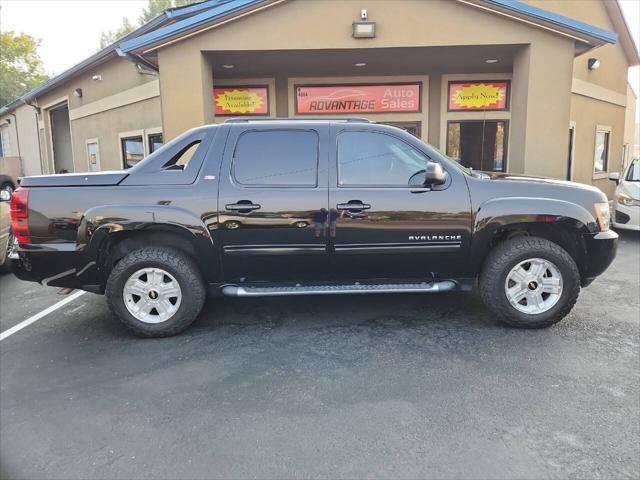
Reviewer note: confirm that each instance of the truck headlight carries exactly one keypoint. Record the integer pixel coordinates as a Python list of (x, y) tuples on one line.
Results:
[(604, 215), (625, 199)]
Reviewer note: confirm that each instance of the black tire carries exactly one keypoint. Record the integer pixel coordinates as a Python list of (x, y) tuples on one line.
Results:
[(181, 267), (510, 253)]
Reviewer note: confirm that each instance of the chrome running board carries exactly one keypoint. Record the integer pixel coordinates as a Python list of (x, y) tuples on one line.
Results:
[(423, 287)]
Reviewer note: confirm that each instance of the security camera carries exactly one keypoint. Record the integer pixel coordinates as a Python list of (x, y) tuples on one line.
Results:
[(363, 14)]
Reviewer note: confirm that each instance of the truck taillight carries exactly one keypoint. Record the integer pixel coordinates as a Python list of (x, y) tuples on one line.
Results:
[(20, 215)]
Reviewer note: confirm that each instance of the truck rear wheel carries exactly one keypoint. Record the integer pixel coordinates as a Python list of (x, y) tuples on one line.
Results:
[(529, 282), (156, 291)]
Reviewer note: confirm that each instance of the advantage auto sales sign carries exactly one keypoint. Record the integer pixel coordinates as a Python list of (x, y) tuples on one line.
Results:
[(336, 99)]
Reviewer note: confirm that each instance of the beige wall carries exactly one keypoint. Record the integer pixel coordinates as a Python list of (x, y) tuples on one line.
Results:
[(107, 126), (587, 113), (612, 73), (23, 134), (27, 124), (542, 100), (123, 100)]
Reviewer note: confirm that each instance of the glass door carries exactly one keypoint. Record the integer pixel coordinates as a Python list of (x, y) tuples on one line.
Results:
[(478, 144)]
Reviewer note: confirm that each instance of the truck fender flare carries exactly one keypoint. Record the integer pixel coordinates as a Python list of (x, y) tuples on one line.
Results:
[(500, 212), (99, 222)]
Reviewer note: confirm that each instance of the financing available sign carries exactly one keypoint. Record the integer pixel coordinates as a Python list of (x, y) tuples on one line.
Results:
[(478, 96), (377, 98), (236, 100)]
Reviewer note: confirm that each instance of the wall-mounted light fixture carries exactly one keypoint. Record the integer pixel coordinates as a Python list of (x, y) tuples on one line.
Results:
[(593, 64), (364, 29), (78, 92), (96, 78)]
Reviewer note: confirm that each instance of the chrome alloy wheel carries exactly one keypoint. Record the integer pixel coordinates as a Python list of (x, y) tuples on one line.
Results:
[(152, 295), (533, 286)]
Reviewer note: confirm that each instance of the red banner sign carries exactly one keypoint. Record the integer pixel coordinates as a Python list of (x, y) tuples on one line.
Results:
[(479, 96), (241, 100), (323, 99)]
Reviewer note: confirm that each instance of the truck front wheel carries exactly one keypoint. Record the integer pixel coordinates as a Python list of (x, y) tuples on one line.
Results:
[(156, 291), (529, 282)]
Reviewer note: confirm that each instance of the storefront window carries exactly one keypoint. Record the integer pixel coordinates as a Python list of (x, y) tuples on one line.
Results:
[(481, 145), (132, 150)]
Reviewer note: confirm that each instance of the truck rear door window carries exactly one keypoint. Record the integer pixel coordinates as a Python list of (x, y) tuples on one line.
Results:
[(277, 158)]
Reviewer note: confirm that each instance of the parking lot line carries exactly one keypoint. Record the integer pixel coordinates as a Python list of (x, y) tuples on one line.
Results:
[(16, 328)]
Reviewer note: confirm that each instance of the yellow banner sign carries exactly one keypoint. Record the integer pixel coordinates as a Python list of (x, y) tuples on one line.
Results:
[(241, 100), (478, 96)]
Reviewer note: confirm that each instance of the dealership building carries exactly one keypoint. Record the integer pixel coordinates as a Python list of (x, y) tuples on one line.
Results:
[(536, 87)]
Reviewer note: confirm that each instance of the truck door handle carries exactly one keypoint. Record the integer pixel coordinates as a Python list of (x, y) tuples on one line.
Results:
[(353, 205), (242, 207)]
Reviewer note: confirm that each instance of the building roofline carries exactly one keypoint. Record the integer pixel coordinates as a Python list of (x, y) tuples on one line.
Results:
[(173, 23), (580, 30), (186, 25)]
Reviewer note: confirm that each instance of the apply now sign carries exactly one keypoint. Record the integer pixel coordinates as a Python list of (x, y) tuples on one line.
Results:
[(378, 98), (479, 96)]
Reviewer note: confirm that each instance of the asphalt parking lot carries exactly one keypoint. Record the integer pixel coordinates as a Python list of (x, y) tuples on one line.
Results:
[(400, 386)]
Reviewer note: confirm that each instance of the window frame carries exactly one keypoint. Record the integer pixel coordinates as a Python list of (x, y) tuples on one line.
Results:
[(399, 187), (608, 131), (126, 136), (148, 134), (232, 171)]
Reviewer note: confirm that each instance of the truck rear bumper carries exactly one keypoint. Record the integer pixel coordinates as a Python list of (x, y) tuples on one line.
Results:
[(58, 265), (601, 251)]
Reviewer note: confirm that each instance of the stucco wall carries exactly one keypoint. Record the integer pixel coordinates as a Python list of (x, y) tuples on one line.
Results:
[(326, 24), (23, 134), (612, 73), (122, 100), (27, 123), (106, 127), (588, 113)]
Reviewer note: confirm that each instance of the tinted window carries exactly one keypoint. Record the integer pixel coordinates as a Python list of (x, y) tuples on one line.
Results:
[(132, 151), (367, 158), (277, 157)]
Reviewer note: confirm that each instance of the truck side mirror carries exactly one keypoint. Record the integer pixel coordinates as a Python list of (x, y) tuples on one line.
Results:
[(434, 174), (615, 176)]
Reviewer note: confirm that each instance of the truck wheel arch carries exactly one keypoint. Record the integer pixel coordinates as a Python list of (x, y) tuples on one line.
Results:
[(559, 221), (108, 233)]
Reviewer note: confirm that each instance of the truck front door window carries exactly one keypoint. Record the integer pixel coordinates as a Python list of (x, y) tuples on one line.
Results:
[(376, 159)]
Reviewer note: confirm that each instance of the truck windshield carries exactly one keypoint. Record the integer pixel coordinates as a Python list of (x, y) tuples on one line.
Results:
[(633, 174)]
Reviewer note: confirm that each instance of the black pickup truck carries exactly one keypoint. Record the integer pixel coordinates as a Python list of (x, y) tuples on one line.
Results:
[(295, 207)]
